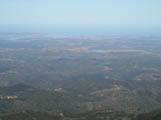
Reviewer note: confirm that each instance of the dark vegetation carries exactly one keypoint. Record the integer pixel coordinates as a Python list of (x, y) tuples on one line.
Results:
[(79, 77)]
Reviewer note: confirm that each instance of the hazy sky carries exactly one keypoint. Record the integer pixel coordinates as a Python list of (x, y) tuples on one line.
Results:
[(81, 12)]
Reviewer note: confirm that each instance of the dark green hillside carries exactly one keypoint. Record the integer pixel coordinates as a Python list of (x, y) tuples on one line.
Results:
[(81, 74)]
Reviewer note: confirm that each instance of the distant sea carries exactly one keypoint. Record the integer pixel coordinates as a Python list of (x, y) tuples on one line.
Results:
[(67, 30)]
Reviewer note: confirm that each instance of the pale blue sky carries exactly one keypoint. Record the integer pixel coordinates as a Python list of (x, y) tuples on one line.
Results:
[(81, 12)]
